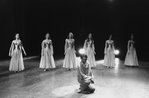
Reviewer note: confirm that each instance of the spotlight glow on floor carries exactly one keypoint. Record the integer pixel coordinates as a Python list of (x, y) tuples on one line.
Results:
[(117, 61), (100, 62)]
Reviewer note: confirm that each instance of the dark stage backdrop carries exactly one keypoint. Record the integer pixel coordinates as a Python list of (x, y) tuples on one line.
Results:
[(32, 19)]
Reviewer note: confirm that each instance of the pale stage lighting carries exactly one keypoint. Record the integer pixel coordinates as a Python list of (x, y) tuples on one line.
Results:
[(81, 51), (116, 52), (99, 62), (117, 61)]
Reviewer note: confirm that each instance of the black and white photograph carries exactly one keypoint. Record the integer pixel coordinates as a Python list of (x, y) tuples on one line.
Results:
[(74, 49)]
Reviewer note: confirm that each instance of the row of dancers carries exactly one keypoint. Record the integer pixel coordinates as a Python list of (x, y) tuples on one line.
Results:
[(47, 60)]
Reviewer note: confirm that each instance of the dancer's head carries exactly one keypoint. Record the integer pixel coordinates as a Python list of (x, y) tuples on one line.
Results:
[(70, 35), (83, 58), (47, 35), (90, 36), (17, 36), (110, 37), (132, 36)]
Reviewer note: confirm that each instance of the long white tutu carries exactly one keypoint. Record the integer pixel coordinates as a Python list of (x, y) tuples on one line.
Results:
[(109, 58), (70, 59), (91, 57), (16, 62), (47, 60), (131, 58)]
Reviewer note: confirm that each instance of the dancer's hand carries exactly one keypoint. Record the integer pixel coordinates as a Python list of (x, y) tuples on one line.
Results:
[(65, 52), (89, 77), (25, 53), (128, 52), (10, 54), (105, 52), (42, 54), (85, 76), (94, 52)]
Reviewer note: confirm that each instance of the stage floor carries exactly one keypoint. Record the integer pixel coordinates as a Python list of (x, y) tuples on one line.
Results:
[(119, 82)]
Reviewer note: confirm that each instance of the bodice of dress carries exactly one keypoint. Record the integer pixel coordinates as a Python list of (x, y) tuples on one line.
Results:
[(47, 44), (17, 45), (109, 44), (70, 43), (88, 43), (131, 44)]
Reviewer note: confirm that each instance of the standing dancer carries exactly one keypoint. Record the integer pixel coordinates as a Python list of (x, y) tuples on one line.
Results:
[(90, 50), (131, 56), (15, 51), (47, 60), (70, 56), (109, 58)]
